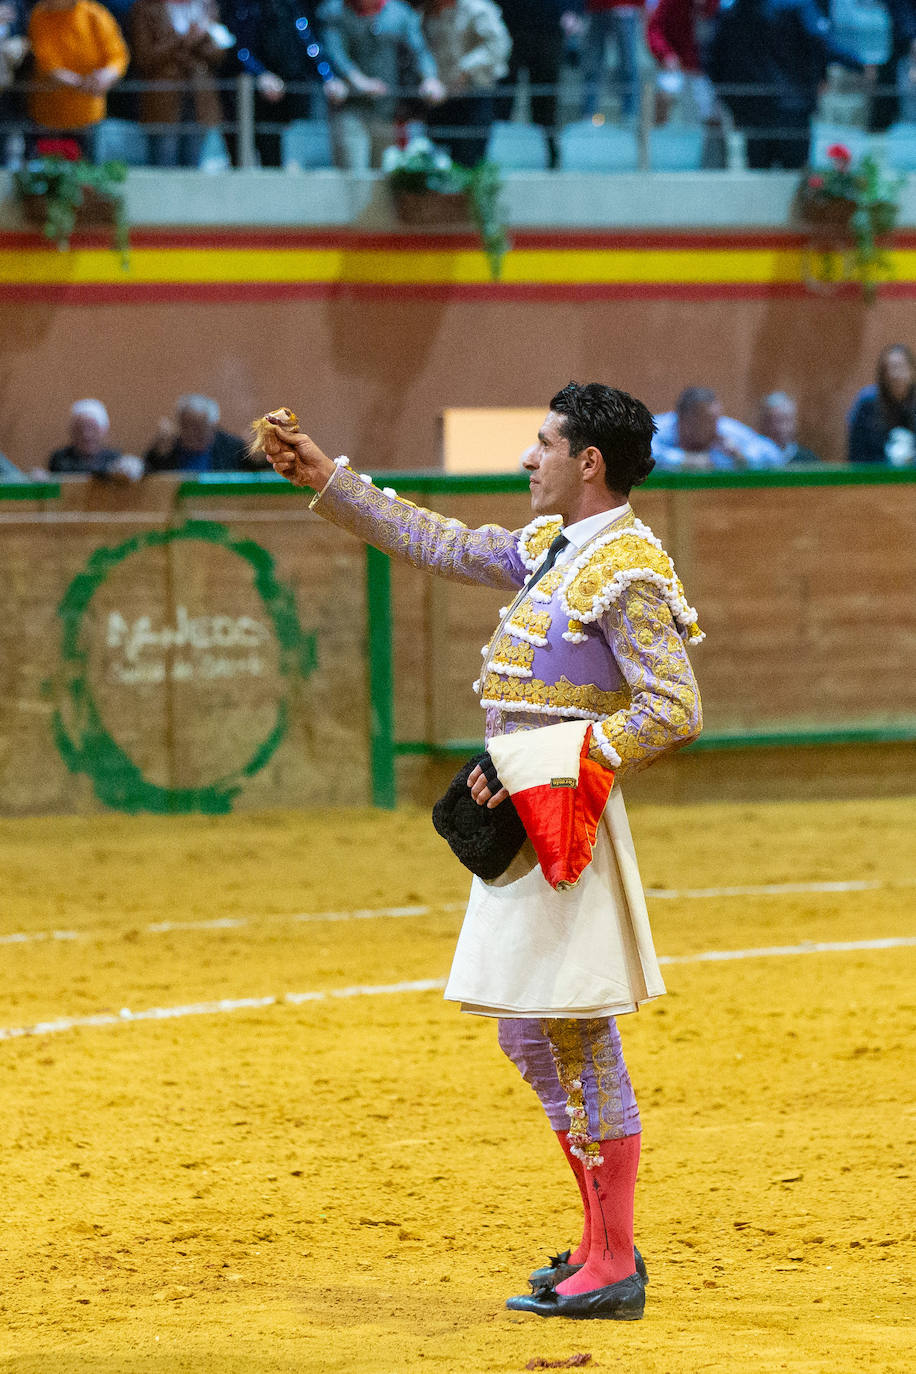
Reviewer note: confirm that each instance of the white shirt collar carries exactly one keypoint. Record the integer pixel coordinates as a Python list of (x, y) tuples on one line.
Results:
[(582, 531)]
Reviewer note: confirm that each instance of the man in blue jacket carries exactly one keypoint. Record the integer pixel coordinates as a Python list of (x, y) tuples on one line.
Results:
[(782, 47)]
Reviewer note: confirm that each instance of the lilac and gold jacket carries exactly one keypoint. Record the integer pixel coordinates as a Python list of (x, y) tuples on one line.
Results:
[(601, 638)]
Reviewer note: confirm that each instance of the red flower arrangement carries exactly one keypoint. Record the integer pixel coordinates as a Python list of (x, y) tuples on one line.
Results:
[(66, 148), (847, 209)]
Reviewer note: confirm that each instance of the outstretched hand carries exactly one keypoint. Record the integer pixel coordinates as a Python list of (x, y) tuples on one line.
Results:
[(290, 452)]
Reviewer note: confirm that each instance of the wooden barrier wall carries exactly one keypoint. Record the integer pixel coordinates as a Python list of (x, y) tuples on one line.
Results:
[(168, 652)]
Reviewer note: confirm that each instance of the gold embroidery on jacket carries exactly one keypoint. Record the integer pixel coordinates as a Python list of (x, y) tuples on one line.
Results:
[(664, 706), (589, 701), (525, 617), (509, 652), (613, 566), (536, 538)]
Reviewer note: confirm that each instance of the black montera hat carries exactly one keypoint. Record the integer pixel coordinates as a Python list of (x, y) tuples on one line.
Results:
[(485, 840)]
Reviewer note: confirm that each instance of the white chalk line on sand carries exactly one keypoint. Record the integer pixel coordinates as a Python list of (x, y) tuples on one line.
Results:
[(127, 1016), (399, 912)]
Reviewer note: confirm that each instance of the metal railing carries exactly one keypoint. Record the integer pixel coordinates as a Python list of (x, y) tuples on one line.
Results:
[(248, 120)]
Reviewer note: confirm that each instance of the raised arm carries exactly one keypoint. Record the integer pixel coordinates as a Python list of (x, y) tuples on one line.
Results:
[(487, 556)]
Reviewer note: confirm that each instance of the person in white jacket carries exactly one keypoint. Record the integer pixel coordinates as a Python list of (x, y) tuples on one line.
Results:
[(471, 45)]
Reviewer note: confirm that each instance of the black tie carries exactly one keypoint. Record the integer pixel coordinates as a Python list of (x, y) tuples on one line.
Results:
[(553, 553)]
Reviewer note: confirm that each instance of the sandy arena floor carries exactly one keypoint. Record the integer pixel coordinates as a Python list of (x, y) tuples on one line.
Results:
[(358, 1182)]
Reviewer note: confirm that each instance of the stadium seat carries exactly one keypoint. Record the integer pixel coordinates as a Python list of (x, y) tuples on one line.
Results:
[(587, 147), (518, 147), (900, 147), (304, 144), (119, 140), (214, 153), (824, 135), (676, 148)]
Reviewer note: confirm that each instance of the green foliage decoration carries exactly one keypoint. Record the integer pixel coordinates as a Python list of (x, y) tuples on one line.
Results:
[(63, 184), (856, 203), (422, 168)]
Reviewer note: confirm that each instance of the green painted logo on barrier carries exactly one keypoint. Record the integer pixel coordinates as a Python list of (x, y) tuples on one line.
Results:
[(186, 689)]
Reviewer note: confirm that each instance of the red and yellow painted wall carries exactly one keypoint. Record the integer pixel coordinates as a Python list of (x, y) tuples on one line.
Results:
[(371, 335)]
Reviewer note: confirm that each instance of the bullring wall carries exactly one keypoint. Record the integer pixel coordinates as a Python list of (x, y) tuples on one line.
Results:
[(184, 647)]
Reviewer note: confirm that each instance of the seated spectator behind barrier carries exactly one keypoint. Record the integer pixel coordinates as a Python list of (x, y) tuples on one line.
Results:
[(778, 420), (179, 42), (697, 437), (192, 442), (88, 451), (678, 34), (79, 54), (367, 43), (782, 47), (882, 421), (623, 21), (471, 46)]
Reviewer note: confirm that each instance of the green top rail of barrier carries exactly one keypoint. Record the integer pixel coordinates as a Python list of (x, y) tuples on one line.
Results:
[(29, 491), (430, 481)]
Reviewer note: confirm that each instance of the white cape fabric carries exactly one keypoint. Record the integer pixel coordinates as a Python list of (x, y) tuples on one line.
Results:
[(526, 950)]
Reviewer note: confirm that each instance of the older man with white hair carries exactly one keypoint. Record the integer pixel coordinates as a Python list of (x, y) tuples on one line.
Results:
[(193, 441), (89, 451), (778, 420)]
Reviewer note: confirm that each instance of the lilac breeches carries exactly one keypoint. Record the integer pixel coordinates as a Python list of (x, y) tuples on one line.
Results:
[(556, 1056)]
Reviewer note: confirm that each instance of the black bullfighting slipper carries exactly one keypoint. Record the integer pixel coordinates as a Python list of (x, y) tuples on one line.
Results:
[(624, 1301), (560, 1268)]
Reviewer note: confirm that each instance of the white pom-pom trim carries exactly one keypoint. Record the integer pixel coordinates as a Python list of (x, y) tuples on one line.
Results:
[(535, 708), (519, 632), (509, 669), (607, 749)]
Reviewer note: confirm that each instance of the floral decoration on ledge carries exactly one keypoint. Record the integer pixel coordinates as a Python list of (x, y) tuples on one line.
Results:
[(61, 191), (848, 211), (430, 189)]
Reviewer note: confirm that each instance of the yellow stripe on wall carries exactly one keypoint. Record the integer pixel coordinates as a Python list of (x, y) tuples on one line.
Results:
[(460, 266)]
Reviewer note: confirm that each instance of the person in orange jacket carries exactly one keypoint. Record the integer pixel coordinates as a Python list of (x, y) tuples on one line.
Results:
[(79, 54)]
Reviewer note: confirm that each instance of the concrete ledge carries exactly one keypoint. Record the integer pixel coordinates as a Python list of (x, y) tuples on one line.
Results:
[(551, 200)]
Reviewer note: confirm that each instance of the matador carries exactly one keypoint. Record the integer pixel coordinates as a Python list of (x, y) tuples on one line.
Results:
[(592, 646)]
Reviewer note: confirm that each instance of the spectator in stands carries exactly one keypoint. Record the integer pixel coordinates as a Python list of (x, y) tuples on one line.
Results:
[(882, 421), (471, 46), (193, 441), (679, 33), (89, 451), (623, 21), (368, 43), (697, 437), (179, 42), (79, 54), (276, 44), (13, 48), (778, 421), (897, 75), (537, 29), (782, 47)]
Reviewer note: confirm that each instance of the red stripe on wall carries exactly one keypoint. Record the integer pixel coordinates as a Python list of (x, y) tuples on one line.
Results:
[(153, 293), (407, 241)]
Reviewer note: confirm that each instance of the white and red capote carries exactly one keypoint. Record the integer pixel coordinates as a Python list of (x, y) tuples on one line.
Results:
[(559, 793)]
